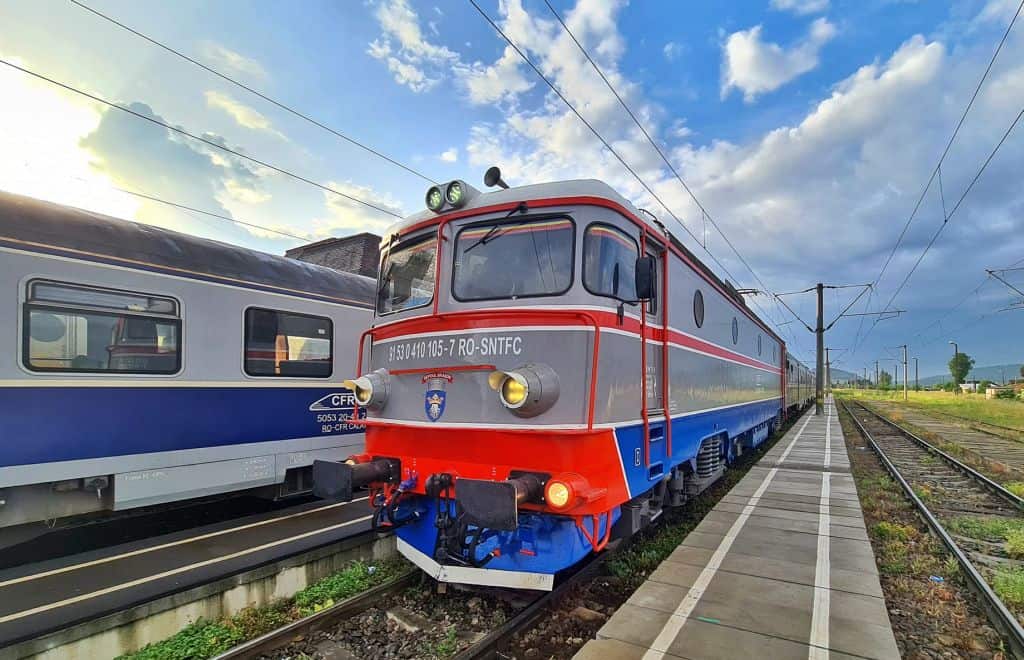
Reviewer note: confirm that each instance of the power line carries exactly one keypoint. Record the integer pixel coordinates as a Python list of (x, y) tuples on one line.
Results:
[(211, 214), (258, 93), (938, 167), (654, 144), (593, 130), (601, 138), (205, 141), (946, 220)]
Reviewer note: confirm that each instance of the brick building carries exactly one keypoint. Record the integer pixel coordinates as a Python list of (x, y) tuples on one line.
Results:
[(354, 254)]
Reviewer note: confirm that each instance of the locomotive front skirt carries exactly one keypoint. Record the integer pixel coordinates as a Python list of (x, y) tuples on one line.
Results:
[(547, 371)]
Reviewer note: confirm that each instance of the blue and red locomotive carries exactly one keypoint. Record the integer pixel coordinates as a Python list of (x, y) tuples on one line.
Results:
[(547, 370)]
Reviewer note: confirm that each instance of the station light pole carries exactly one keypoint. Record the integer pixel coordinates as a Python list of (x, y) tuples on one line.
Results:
[(956, 359), (906, 374), (917, 382)]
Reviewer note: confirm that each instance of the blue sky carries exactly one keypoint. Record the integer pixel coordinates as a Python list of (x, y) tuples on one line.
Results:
[(808, 128)]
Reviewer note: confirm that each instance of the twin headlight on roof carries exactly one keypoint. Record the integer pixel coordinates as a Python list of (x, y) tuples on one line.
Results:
[(450, 196), (525, 391)]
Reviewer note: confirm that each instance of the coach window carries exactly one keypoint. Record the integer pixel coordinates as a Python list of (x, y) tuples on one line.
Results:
[(285, 344), (609, 262), (82, 329), (698, 308), (514, 259)]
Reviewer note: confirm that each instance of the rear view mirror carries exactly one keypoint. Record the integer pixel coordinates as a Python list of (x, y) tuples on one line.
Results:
[(645, 276)]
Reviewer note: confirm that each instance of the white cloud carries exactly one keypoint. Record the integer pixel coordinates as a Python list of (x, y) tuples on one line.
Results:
[(755, 66), (414, 61), (800, 7), (225, 58), (823, 196), (673, 51), (243, 115), (246, 194), (345, 216), (504, 80), (41, 129), (449, 155)]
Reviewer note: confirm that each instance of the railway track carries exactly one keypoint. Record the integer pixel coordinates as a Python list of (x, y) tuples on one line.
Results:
[(949, 494), (486, 646)]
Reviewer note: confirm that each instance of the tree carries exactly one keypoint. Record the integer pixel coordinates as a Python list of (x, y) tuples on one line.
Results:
[(959, 366), (885, 379), (1022, 371)]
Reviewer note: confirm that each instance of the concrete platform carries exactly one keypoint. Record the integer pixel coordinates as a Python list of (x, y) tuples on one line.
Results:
[(780, 568)]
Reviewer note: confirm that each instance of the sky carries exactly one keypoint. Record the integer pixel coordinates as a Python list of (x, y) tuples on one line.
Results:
[(807, 129)]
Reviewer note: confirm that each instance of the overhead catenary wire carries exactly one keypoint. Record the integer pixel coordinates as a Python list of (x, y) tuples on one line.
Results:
[(202, 140), (211, 214), (252, 90), (937, 172), (591, 128), (938, 166), (704, 212), (600, 137)]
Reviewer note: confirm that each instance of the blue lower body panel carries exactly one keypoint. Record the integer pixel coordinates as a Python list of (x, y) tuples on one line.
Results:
[(543, 543), (688, 432), (53, 424)]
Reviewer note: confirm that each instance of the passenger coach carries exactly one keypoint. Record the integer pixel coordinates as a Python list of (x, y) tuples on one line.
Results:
[(547, 369), (140, 366)]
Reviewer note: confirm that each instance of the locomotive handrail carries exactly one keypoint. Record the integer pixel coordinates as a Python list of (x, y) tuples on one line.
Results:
[(499, 313)]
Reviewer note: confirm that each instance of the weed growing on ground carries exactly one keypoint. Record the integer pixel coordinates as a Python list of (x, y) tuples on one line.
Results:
[(206, 639), (1009, 586), (1015, 487), (1015, 544), (985, 529), (894, 531)]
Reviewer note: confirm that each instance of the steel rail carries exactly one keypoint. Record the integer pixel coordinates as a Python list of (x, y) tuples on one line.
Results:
[(281, 637), (994, 487), (999, 615)]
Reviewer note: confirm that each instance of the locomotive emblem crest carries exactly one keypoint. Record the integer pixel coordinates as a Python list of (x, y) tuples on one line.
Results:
[(435, 397)]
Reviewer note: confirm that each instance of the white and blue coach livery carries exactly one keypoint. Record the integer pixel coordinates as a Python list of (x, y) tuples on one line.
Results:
[(140, 366)]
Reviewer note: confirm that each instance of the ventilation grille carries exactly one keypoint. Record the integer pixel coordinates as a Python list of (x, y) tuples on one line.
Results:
[(708, 460)]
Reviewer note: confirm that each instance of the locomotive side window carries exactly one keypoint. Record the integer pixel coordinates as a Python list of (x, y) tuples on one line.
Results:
[(513, 259), (75, 328), (759, 345), (285, 344), (407, 277), (609, 262), (698, 308), (735, 331)]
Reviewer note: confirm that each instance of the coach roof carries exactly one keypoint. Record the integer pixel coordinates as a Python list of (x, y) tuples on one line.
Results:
[(36, 225)]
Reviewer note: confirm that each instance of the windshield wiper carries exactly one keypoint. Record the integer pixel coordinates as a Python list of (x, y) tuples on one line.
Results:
[(493, 231), (387, 278)]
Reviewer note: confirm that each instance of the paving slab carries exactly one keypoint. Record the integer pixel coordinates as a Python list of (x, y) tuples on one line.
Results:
[(780, 568)]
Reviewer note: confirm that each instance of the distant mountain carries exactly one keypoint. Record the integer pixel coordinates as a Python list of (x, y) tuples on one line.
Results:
[(842, 376), (994, 373)]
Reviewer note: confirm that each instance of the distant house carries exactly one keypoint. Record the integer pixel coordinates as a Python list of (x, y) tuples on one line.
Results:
[(969, 386), (358, 253)]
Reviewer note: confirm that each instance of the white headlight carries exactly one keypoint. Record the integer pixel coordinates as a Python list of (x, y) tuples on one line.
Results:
[(372, 389)]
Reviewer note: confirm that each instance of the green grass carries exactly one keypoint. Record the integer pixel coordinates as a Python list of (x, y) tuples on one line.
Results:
[(206, 639), (1009, 586), (1001, 412), (986, 529), (1015, 544), (1015, 487)]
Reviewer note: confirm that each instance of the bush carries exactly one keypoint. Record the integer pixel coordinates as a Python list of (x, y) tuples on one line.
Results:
[(1006, 394)]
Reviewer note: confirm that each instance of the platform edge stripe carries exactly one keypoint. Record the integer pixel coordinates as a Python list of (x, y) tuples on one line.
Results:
[(676, 621), (181, 569), (170, 544), (821, 614)]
